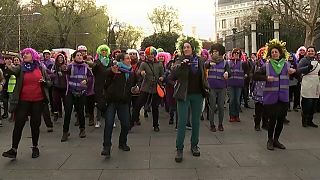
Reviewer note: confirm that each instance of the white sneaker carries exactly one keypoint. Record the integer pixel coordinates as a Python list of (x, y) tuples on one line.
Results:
[(114, 125), (98, 124), (1, 123), (189, 127)]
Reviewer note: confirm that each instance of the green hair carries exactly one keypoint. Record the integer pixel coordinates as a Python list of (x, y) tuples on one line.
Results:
[(103, 47), (195, 44)]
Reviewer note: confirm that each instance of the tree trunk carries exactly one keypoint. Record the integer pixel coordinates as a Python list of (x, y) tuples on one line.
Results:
[(310, 36)]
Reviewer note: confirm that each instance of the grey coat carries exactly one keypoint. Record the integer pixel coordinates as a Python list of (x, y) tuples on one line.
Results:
[(181, 74), (154, 70)]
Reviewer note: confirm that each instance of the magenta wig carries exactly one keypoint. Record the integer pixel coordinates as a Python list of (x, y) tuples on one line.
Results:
[(166, 55), (34, 53), (205, 54)]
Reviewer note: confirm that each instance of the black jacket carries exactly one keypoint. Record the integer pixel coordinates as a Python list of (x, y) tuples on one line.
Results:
[(117, 88)]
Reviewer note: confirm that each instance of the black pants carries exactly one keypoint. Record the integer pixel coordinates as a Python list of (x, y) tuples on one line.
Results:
[(78, 103), (147, 100), (308, 106), (23, 110), (294, 95), (276, 113), (260, 115), (46, 115), (134, 103), (89, 106), (245, 94)]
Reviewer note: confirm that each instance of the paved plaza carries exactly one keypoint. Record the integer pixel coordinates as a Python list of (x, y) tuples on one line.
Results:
[(237, 153)]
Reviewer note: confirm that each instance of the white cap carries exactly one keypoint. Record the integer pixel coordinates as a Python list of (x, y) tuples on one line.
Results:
[(82, 48)]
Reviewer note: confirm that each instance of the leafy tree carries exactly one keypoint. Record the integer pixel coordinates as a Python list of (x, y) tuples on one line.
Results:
[(165, 19), (166, 41)]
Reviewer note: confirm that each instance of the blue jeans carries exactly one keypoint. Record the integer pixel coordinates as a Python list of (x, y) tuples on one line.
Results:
[(122, 110), (234, 103)]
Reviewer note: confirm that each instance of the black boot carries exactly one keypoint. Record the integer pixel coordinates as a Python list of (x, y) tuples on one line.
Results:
[(270, 145), (106, 151), (179, 156), (304, 120), (257, 124)]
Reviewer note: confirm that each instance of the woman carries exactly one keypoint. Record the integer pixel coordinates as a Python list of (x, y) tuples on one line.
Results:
[(119, 81), (218, 74), (29, 95), (99, 70), (190, 89), (79, 85), (152, 72), (239, 71), (294, 91), (276, 91), (310, 86), (257, 94), (58, 78), (12, 83)]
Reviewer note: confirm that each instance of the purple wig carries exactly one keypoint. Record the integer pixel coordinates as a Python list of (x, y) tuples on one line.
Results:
[(205, 54), (34, 53)]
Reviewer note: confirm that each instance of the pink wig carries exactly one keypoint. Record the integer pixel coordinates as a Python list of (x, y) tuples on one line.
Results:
[(34, 53), (298, 54), (205, 53), (166, 55)]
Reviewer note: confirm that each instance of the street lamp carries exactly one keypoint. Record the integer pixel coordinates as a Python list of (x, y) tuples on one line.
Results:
[(19, 23)]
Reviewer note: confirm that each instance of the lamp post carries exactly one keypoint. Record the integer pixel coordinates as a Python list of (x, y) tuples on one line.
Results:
[(19, 24)]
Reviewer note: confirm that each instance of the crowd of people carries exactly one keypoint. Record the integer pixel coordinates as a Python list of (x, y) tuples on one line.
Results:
[(189, 83)]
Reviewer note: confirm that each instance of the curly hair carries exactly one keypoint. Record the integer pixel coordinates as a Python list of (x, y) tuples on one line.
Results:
[(35, 55), (103, 47), (276, 44), (218, 47), (195, 44)]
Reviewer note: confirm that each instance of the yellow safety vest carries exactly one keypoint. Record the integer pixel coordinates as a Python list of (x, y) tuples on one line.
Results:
[(11, 84)]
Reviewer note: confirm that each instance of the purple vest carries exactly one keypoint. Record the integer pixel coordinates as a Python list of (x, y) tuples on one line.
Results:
[(277, 90), (237, 74), (78, 73), (215, 76)]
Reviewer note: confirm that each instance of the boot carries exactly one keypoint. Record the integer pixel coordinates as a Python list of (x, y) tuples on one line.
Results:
[(82, 133), (65, 136), (106, 152), (91, 120), (55, 117), (179, 156), (304, 120), (277, 144), (257, 124), (270, 145)]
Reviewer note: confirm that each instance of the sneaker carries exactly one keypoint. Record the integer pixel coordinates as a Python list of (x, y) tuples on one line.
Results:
[(82, 133), (156, 129), (50, 129), (106, 152), (65, 136), (195, 151), (98, 124), (277, 144), (179, 156), (188, 127), (270, 145), (124, 147), (35, 152), (12, 153), (213, 128), (1, 125), (220, 127)]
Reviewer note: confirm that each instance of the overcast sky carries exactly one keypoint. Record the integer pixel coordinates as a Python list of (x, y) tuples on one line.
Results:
[(198, 13)]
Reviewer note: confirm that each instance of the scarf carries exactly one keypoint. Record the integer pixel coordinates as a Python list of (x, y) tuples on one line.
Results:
[(277, 65), (104, 60), (29, 66), (194, 61), (125, 69)]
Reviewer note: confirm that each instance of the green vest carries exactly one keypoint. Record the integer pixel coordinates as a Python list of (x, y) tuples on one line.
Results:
[(11, 84)]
